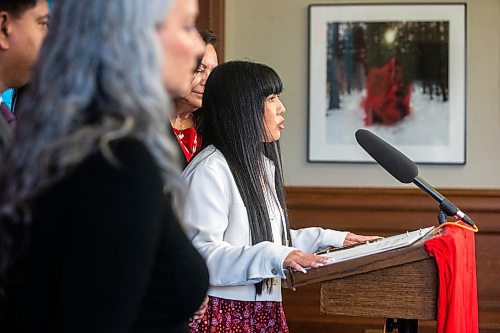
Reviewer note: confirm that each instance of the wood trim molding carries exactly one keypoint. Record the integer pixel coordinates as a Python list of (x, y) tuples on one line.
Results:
[(211, 17), (387, 209)]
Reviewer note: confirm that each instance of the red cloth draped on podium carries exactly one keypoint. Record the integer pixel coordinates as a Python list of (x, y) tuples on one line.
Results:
[(454, 251)]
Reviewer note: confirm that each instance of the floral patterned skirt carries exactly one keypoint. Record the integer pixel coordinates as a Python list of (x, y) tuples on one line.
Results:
[(225, 315)]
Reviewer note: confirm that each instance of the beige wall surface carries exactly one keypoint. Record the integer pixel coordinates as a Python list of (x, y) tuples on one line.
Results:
[(275, 32)]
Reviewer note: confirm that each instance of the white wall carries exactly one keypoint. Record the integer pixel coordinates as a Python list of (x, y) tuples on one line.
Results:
[(275, 32)]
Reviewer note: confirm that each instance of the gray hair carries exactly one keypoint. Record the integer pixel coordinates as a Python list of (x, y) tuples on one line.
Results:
[(99, 78)]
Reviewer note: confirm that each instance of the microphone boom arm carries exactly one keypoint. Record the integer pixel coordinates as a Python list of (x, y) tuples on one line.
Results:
[(444, 204), (406, 171), (428, 189)]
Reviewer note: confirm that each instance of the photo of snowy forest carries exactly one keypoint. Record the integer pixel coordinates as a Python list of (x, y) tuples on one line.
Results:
[(389, 77), (397, 70)]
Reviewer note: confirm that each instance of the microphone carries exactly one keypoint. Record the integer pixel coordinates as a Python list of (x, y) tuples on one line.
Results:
[(404, 170)]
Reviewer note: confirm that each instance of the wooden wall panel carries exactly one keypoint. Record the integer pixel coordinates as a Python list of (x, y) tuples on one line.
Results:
[(387, 212), (211, 17)]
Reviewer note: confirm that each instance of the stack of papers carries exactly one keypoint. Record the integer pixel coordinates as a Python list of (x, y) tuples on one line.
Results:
[(376, 246)]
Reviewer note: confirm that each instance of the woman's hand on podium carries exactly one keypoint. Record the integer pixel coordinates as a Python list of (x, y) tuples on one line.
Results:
[(298, 260), (353, 239)]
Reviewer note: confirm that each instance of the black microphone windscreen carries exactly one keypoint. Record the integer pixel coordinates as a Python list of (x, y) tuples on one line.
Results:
[(391, 159)]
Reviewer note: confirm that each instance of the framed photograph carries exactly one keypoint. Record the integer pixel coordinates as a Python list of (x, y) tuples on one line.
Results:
[(395, 69)]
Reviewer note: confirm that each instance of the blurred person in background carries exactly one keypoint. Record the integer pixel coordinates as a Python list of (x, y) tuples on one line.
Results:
[(91, 191), (182, 117), (23, 26)]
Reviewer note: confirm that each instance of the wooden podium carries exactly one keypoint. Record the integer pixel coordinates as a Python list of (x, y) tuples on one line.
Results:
[(400, 283)]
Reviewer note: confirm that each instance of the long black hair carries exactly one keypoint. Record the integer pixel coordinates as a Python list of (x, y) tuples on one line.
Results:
[(232, 119)]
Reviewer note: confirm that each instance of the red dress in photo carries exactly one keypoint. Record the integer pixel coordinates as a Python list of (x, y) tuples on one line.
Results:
[(387, 98)]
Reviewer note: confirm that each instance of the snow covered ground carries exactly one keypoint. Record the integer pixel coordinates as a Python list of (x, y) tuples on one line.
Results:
[(427, 125)]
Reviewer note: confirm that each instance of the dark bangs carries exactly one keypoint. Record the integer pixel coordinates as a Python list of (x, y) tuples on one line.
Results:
[(271, 82), (231, 117)]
